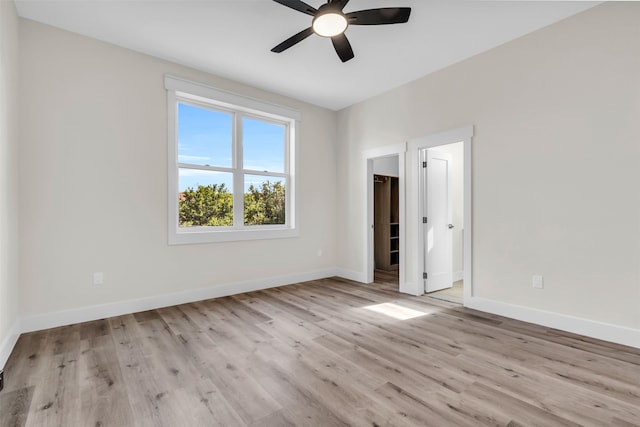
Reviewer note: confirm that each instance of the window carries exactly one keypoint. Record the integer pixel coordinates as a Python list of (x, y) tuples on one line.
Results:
[(231, 166)]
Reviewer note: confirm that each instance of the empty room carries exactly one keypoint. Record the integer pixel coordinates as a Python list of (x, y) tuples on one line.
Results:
[(319, 213)]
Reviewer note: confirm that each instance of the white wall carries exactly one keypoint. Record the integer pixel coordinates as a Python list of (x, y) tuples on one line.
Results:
[(387, 166), (93, 177), (556, 163), (457, 205), (8, 178)]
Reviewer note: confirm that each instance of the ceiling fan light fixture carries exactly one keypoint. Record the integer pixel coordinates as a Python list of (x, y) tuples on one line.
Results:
[(330, 21), (330, 24)]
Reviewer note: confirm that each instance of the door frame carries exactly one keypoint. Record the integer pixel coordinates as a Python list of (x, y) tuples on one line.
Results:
[(415, 246), (398, 150)]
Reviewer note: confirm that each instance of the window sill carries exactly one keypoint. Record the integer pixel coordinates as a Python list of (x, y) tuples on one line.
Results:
[(200, 236)]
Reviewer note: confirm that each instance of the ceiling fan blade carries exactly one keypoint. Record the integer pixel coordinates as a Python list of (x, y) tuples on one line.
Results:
[(293, 40), (384, 15), (298, 5), (340, 3), (343, 47)]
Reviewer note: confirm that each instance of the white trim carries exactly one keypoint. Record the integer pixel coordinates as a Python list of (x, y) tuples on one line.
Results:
[(9, 342), (414, 276), (368, 156), (442, 138), (196, 236), (356, 276), (590, 328), (102, 311), (172, 170), (467, 235), (193, 90), (180, 90), (386, 151), (413, 288), (458, 275), (368, 262)]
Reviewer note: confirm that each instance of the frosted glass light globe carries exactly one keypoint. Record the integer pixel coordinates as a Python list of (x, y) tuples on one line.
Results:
[(329, 24)]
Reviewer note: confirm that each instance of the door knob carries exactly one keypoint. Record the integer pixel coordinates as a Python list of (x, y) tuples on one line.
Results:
[(450, 226)]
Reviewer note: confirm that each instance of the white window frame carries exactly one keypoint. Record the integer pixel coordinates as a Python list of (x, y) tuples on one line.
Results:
[(184, 91)]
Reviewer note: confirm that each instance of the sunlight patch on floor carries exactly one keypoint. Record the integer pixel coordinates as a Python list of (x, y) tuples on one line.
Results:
[(396, 311)]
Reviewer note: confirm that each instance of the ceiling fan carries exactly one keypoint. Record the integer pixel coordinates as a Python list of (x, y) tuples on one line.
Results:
[(330, 21)]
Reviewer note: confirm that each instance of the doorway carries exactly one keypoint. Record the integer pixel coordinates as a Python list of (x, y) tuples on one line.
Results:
[(411, 267), (388, 161), (386, 221), (442, 193), (460, 139)]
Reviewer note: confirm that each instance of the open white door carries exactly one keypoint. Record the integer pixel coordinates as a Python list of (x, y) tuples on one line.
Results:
[(437, 214)]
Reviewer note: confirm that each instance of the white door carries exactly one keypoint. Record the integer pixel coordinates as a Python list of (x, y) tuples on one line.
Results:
[(436, 208)]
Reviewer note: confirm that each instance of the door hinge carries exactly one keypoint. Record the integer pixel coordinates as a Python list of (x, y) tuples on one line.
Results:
[(424, 219), (424, 275), (424, 164)]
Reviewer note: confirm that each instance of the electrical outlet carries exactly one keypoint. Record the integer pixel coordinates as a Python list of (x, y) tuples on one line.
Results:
[(537, 281), (98, 278)]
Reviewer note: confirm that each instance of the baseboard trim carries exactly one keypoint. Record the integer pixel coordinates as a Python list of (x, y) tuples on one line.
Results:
[(9, 342), (356, 276), (458, 275), (412, 288), (590, 328), (102, 311)]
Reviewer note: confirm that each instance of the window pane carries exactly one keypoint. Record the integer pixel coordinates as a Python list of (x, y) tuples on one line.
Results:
[(205, 198), (204, 136), (263, 145), (264, 200)]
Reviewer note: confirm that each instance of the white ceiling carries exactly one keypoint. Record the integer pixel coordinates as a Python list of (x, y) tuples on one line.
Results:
[(233, 39)]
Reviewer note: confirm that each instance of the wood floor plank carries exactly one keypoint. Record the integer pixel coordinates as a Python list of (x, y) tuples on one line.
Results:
[(145, 394), (424, 408), (224, 331), (103, 396), (319, 353), (275, 419), (531, 387), (347, 398), (271, 298), (14, 406), (430, 363), (511, 410), (299, 406), (203, 405), (27, 361), (220, 361), (617, 422), (621, 390), (56, 393), (157, 403)]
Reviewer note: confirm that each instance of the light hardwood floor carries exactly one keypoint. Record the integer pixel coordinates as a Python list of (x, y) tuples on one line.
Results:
[(316, 353), (452, 294)]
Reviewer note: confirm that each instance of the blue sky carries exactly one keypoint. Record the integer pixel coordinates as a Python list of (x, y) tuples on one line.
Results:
[(205, 138)]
